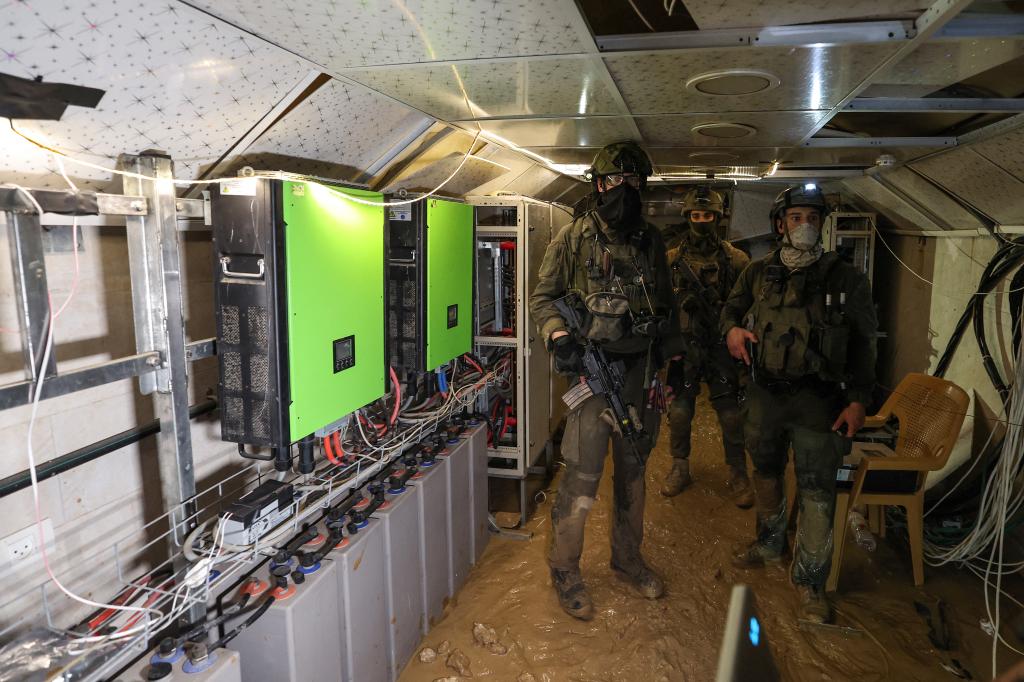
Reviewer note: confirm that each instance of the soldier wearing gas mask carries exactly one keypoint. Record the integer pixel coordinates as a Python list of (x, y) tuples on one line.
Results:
[(704, 269), (613, 263), (803, 320)]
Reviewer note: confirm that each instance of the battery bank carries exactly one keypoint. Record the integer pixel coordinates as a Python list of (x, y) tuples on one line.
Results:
[(361, 578), (459, 515), (479, 509), (402, 549), (433, 535), (296, 640), (224, 666)]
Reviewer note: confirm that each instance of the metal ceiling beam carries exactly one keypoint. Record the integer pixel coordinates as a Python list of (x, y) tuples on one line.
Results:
[(789, 36), (968, 105), (851, 142), (983, 26), (926, 25)]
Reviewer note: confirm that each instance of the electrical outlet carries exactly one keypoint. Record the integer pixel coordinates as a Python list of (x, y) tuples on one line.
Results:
[(24, 545)]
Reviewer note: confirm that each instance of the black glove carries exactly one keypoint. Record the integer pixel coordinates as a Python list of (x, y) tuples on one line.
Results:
[(567, 356)]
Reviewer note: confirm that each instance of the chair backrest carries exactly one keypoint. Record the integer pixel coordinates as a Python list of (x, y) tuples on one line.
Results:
[(930, 412)]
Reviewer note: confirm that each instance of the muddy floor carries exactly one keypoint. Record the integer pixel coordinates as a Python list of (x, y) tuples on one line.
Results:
[(687, 539)]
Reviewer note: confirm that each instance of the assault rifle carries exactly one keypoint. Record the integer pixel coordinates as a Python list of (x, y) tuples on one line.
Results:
[(600, 377)]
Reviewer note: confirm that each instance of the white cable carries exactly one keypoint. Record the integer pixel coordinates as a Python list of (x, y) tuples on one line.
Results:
[(273, 175)]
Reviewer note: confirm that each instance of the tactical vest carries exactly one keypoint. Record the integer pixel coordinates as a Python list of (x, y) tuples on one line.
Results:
[(799, 321), (709, 277), (616, 281)]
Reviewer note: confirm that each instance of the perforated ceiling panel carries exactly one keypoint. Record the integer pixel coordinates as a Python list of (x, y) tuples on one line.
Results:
[(740, 130), (338, 35), (984, 185), (896, 210), (776, 78), (175, 80), (1006, 151), (756, 13), (940, 63), (563, 86), (342, 127), (933, 199)]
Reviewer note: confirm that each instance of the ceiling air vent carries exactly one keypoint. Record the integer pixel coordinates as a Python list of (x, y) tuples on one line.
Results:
[(732, 82), (724, 131)]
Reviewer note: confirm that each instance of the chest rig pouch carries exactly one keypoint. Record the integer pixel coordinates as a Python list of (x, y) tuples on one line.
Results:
[(701, 287), (800, 325), (613, 292)]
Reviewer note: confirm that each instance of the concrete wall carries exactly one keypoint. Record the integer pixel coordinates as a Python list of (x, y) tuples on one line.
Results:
[(115, 495)]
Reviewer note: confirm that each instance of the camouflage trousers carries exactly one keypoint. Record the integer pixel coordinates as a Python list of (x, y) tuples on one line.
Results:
[(715, 367), (800, 419), (584, 447)]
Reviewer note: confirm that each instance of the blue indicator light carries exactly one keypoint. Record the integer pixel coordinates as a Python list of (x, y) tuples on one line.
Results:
[(755, 631)]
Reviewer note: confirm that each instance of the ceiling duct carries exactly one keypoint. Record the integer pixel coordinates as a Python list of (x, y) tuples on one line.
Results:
[(732, 82)]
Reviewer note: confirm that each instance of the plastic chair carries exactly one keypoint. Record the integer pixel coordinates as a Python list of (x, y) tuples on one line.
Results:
[(930, 412)]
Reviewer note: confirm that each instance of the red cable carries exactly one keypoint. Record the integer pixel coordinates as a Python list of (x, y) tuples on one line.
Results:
[(329, 452), (398, 394), (473, 362), (337, 446)]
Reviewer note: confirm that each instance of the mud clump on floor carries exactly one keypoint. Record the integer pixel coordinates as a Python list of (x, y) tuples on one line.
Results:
[(508, 600)]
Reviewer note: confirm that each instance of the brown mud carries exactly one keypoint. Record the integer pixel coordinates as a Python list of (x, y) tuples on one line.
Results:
[(688, 540)]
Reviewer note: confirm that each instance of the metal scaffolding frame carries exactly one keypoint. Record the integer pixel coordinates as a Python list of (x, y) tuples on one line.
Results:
[(151, 211)]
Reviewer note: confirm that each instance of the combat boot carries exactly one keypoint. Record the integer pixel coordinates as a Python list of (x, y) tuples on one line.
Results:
[(645, 581), (814, 605), (678, 478), (740, 491), (572, 594), (754, 555)]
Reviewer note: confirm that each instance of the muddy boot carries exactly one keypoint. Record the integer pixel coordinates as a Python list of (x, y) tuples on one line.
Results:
[(678, 478), (645, 581), (754, 555), (572, 594), (740, 491), (814, 605)]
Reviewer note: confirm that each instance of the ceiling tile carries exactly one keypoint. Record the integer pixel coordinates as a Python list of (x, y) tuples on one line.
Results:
[(561, 132), (758, 13), (386, 32), (1006, 151), (851, 156), (940, 63), (972, 177), (553, 87), (879, 198), (794, 78), (937, 201), (175, 80), (679, 159), (344, 128), (769, 129)]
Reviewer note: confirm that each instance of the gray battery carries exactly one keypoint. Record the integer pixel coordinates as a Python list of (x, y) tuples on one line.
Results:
[(460, 510), (296, 640), (400, 517), (361, 575), (433, 531), (480, 520), (226, 667)]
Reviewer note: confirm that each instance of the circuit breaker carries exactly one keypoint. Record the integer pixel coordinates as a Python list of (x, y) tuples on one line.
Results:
[(299, 289), (430, 283)]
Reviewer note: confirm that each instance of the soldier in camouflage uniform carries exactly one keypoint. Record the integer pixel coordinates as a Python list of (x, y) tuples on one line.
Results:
[(704, 268), (615, 261), (804, 320)]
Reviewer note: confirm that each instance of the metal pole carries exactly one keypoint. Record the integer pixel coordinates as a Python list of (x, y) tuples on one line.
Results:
[(29, 267), (159, 325)]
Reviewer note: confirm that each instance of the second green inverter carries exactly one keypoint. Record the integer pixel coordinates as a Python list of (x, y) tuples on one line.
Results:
[(300, 306), (430, 283)]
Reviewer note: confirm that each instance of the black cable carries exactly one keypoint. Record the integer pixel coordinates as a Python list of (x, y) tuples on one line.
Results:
[(234, 609), (1011, 261), (256, 615), (1016, 297)]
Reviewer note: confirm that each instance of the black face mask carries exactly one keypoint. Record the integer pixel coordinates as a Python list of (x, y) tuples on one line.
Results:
[(620, 206), (705, 229)]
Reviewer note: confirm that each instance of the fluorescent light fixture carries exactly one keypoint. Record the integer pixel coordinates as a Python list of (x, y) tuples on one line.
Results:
[(810, 186), (569, 168)]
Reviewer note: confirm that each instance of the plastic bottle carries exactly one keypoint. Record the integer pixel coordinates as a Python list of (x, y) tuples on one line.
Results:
[(861, 534)]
